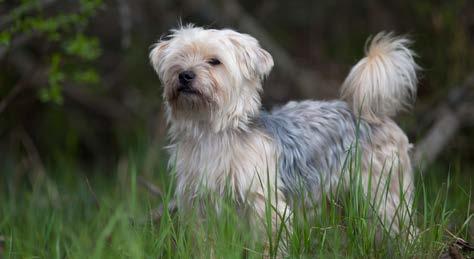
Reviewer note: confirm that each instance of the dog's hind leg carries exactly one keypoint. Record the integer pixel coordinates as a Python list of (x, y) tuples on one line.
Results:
[(386, 166)]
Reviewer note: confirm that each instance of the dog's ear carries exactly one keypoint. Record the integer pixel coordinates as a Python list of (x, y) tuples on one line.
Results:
[(157, 54), (254, 61)]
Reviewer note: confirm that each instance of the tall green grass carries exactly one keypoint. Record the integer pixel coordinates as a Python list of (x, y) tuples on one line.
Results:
[(74, 214)]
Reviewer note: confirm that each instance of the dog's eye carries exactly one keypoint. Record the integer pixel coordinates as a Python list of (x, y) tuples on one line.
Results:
[(214, 62)]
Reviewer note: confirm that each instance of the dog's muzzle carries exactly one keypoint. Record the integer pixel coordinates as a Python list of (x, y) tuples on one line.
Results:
[(185, 81)]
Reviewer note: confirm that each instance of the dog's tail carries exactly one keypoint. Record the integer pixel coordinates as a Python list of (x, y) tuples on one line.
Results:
[(384, 81)]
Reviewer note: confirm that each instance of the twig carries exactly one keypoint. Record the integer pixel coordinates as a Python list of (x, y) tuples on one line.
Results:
[(102, 106), (454, 250), (463, 244), (153, 189), (94, 196), (34, 159), (33, 153), (157, 213), (12, 94), (25, 9), (16, 43)]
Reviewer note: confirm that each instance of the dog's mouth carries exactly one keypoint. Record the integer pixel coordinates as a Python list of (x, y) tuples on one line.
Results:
[(187, 96), (183, 89)]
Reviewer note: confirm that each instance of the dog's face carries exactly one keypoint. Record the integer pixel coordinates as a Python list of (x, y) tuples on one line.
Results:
[(211, 75)]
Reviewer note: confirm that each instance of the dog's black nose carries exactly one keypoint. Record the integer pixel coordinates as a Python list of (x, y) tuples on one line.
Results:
[(186, 77)]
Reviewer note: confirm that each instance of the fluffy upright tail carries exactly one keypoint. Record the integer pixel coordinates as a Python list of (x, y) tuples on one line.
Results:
[(384, 81)]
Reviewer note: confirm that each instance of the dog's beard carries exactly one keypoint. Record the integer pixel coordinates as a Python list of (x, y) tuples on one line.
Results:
[(197, 99)]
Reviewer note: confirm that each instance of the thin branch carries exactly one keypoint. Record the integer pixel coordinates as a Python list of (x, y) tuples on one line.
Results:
[(32, 152), (153, 189), (102, 106), (16, 43), (12, 94), (451, 115), (94, 196), (24, 9), (157, 213), (443, 130)]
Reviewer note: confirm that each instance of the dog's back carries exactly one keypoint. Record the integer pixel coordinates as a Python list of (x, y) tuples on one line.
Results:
[(320, 141), (315, 139)]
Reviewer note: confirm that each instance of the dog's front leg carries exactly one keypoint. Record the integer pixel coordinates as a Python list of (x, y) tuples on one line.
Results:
[(273, 220)]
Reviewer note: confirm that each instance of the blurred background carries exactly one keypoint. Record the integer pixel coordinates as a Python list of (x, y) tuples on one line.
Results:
[(77, 89)]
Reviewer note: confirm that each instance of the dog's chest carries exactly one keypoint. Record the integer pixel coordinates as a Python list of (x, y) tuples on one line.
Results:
[(238, 165)]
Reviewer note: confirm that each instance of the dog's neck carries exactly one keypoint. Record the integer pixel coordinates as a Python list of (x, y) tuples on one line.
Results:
[(220, 160), (189, 130), (183, 129)]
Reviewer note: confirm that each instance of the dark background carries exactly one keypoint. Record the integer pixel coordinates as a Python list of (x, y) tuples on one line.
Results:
[(76, 86)]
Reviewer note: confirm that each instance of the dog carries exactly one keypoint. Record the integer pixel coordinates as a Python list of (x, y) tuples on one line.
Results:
[(222, 142)]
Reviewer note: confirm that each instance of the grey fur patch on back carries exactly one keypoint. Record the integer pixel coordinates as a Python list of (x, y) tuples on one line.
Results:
[(314, 139)]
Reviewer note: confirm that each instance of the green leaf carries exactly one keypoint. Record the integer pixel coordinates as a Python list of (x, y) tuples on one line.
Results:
[(44, 95), (89, 7), (88, 76), (5, 38), (84, 47), (53, 92)]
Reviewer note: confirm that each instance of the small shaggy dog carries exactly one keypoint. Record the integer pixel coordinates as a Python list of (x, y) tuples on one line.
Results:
[(223, 142)]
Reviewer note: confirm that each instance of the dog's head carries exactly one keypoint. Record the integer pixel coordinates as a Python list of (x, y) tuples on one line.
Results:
[(211, 76)]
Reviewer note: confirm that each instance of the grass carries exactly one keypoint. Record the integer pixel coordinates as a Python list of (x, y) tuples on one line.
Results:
[(72, 214)]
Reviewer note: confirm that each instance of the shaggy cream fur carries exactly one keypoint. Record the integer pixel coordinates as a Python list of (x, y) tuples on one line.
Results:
[(222, 143)]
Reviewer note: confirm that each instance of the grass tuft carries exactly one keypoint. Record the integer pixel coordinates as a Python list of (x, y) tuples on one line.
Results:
[(69, 215)]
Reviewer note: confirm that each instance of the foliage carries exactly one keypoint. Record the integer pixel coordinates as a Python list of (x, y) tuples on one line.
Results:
[(65, 32)]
